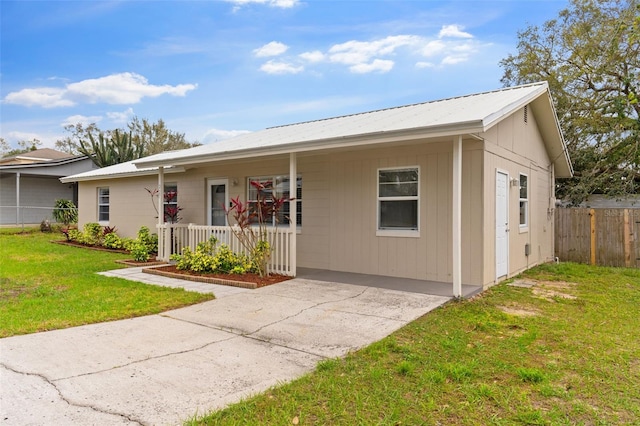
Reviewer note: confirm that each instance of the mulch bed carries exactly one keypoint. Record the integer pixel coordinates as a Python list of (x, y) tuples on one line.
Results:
[(98, 248), (251, 281)]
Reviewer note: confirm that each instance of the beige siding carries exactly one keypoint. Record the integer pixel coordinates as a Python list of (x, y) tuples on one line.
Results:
[(516, 147)]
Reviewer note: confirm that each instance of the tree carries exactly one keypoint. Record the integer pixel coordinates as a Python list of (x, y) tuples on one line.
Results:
[(590, 56), (118, 149), (155, 137), (24, 147), (78, 132)]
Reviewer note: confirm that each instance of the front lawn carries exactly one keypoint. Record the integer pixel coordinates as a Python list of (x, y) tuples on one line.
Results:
[(46, 286), (564, 352)]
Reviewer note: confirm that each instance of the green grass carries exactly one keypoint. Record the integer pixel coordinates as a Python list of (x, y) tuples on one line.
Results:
[(46, 286), (566, 352)]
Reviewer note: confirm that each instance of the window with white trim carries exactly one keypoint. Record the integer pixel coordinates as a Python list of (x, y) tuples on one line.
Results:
[(277, 186), (103, 204), (398, 199), (524, 201)]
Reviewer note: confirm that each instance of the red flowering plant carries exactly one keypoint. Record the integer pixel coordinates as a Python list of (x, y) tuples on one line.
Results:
[(171, 211), (263, 212)]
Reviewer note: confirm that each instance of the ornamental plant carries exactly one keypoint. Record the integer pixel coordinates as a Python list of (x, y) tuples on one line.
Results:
[(208, 257), (255, 238), (64, 211)]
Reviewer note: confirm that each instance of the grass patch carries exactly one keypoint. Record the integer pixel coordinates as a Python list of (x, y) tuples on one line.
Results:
[(566, 351), (45, 286)]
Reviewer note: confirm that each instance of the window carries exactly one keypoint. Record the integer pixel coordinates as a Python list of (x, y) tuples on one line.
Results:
[(277, 186), (398, 199), (171, 208), (103, 204), (524, 201)]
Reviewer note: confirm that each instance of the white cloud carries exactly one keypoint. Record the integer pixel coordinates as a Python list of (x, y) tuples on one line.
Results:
[(273, 67), (282, 4), (315, 56), (123, 88), (122, 116), (46, 97), (82, 119), (454, 59), (271, 49), (213, 135), (454, 31), (433, 48), (360, 52), (378, 65)]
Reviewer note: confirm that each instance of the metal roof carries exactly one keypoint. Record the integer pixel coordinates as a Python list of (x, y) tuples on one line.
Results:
[(117, 171), (470, 114)]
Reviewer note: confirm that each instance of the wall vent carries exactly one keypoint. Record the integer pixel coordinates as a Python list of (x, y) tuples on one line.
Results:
[(526, 112)]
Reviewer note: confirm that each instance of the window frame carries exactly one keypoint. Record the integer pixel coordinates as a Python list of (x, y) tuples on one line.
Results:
[(399, 232), (523, 202), (100, 203), (274, 178)]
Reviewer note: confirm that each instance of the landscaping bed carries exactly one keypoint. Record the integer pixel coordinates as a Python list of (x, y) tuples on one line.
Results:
[(247, 280)]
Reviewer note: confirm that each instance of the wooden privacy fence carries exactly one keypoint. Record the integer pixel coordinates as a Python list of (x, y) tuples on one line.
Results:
[(607, 237)]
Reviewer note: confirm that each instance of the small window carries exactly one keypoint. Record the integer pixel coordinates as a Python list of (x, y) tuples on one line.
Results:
[(103, 204), (398, 199), (278, 186), (524, 201)]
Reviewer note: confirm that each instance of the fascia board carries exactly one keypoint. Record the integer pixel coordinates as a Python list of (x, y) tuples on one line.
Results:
[(69, 179)]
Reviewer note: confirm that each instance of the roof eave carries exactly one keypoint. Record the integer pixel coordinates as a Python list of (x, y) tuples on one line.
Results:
[(469, 127), (76, 178)]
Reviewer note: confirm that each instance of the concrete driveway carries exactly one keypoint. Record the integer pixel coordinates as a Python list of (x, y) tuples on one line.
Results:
[(164, 369)]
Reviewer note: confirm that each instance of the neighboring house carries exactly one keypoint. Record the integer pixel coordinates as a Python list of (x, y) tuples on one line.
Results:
[(459, 190), (30, 184)]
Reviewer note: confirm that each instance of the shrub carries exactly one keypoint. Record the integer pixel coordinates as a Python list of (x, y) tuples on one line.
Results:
[(211, 258), (140, 252), (92, 234), (112, 241), (146, 238), (64, 211)]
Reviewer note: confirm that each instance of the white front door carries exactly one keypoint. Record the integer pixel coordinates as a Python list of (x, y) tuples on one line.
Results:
[(218, 199), (502, 224)]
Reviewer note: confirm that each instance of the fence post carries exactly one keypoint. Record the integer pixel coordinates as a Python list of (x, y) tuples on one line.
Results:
[(592, 213), (627, 238)]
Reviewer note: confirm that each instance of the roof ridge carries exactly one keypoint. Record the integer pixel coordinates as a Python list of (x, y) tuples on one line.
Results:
[(503, 89)]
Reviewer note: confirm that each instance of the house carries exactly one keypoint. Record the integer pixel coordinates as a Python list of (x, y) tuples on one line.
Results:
[(30, 184), (459, 190)]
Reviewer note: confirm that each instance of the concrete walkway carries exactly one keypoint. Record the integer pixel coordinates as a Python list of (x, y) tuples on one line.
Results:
[(164, 369)]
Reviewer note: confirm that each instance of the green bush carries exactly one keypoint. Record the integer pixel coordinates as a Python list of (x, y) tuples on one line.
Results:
[(92, 234), (150, 241), (112, 241), (64, 211), (140, 252), (211, 258)]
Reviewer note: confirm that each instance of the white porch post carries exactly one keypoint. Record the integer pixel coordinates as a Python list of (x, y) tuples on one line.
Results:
[(293, 207), (18, 199), (457, 216), (160, 195)]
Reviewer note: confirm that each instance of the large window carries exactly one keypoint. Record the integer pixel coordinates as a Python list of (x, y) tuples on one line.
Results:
[(277, 186), (524, 201), (103, 204), (398, 199)]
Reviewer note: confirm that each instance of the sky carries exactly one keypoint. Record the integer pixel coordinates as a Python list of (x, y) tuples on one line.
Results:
[(216, 69)]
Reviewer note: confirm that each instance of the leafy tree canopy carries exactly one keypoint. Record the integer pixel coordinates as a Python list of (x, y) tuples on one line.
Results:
[(23, 147), (146, 138), (590, 56)]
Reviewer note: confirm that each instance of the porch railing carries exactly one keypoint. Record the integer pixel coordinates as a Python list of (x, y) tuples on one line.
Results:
[(172, 238)]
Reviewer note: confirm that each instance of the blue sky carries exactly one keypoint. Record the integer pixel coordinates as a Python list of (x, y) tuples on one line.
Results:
[(214, 69)]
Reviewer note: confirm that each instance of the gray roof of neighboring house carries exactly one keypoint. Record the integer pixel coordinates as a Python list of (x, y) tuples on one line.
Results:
[(471, 114), (35, 156), (53, 167)]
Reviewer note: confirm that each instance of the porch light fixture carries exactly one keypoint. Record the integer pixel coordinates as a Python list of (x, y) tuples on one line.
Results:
[(515, 182)]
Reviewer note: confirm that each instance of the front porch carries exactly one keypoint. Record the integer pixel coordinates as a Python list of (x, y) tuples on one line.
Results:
[(173, 237)]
